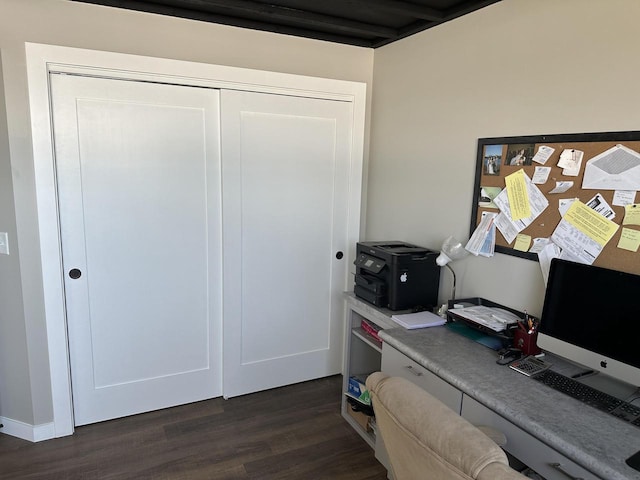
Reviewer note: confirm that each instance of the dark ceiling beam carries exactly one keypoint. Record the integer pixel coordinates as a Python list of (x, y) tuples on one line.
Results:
[(302, 18), (147, 7), (467, 7), (404, 8), (297, 22), (460, 10)]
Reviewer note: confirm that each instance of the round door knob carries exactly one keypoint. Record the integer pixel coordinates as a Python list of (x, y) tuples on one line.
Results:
[(75, 273), (339, 255)]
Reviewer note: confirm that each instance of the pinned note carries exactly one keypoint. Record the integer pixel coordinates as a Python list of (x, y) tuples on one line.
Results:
[(564, 204), (624, 197), (590, 223), (518, 195), (539, 244), (543, 154), (522, 242), (582, 233), (570, 159), (631, 214), (562, 187), (505, 222), (629, 239), (541, 175), (600, 205)]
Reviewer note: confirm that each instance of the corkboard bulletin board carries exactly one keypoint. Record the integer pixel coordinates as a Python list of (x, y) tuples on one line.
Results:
[(493, 165)]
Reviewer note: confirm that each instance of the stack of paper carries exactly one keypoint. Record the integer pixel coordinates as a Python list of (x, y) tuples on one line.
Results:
[(494, 318), (418, 320)]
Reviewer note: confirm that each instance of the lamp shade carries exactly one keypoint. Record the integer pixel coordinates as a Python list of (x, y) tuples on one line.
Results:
[(451, 250)]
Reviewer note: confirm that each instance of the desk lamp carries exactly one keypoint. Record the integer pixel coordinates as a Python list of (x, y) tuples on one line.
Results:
[(450, 251)]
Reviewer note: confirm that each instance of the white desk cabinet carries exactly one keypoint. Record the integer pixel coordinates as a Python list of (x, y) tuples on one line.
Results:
[(526, 448), (396, 364)]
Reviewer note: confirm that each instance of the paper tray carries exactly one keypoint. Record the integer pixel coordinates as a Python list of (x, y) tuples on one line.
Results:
[(469, 302)]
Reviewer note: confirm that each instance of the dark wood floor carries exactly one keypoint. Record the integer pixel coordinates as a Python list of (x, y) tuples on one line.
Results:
[(294, 432)]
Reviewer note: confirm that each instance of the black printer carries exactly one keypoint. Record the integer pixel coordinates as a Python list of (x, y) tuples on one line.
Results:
[(397, 275)]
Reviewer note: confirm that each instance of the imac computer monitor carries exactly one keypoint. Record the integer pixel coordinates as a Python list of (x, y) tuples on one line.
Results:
[(591, 316)]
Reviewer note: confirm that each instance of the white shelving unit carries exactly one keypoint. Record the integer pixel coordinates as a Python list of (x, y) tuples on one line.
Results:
[(362, 354)]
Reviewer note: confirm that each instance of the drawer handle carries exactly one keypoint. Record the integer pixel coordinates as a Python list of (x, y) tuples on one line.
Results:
[(413, 370), (560, 468)]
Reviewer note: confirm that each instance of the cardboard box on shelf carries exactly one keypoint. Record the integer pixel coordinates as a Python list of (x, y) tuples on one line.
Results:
[(361, 418)]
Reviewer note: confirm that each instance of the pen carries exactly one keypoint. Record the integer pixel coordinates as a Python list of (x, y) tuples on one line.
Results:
[(525, 323)]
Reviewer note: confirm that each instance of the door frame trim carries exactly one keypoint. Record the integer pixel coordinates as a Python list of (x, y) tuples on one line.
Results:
[(41, 60)]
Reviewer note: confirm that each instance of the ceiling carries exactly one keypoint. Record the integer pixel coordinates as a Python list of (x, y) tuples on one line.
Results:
[(365, 23)]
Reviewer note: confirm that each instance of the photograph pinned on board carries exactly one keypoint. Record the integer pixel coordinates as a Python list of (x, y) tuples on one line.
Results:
[(487, 194), (520, 154), (492, 159)]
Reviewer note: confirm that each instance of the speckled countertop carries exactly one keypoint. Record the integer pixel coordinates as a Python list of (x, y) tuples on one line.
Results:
[(593, 439)]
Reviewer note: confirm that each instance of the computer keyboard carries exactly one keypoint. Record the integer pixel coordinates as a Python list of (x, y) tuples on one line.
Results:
[(590, 396)]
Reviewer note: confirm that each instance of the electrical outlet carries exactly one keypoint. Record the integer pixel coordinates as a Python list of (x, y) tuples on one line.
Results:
[(4, 243)]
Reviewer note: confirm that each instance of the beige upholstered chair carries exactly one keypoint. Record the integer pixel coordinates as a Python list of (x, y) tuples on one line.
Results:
[(425, 439)]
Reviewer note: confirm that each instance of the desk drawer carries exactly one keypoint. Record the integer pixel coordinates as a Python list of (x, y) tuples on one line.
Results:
[(526, 448), (395, 363)]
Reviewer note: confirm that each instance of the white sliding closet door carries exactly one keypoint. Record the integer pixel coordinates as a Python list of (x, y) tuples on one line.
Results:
[(286, 169), (138, 173)]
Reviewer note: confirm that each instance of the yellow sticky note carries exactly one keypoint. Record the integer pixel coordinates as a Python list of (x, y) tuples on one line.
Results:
[(518, 195), (629, 239), (590, 222), (522, 242), (631, 214)]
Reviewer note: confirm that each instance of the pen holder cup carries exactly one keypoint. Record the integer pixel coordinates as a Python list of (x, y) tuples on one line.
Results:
[(527, 342)]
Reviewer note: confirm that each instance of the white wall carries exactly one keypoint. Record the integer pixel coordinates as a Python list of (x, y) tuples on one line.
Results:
[(515, 68), (15, 392), (62, 22), (518, 67)]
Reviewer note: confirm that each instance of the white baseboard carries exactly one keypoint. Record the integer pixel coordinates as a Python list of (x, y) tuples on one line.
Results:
[(33, 433)]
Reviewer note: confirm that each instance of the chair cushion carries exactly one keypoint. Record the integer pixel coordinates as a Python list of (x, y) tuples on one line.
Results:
[(422, 434)]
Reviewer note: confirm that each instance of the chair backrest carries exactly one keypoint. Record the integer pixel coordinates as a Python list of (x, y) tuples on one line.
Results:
[(425, 439)]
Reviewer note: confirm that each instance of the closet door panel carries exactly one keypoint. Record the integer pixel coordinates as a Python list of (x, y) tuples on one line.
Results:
[(286, 165), (138, 180)]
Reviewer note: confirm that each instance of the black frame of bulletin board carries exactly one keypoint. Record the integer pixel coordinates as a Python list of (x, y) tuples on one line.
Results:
[(591, 144)]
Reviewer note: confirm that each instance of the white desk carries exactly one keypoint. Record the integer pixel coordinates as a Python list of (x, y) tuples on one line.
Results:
[(543, 427)]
